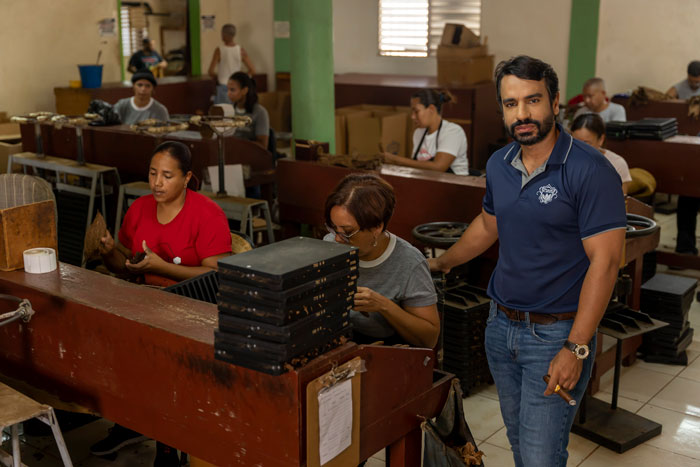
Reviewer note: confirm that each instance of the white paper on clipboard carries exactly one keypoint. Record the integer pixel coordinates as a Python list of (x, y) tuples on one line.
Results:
[(334, 420), (233, 179)]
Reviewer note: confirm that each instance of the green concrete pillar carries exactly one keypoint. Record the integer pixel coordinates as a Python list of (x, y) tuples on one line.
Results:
[(282, 44), (583, 45), (313, 96)]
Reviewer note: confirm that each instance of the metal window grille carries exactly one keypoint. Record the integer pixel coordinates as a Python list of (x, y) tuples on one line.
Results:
[(413, 28), (134, 28)]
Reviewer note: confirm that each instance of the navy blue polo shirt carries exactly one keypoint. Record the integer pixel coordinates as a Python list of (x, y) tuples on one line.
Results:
[(542, 221)]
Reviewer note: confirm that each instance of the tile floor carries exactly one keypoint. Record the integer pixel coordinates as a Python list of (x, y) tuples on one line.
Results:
[(666, 394)]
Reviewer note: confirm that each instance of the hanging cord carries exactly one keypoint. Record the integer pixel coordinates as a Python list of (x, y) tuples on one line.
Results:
[(24, 311)]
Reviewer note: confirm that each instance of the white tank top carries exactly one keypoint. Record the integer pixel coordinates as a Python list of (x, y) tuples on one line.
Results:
[(230, 62)]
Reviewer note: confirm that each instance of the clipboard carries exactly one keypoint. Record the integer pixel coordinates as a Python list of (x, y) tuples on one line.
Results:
[(351, 455)]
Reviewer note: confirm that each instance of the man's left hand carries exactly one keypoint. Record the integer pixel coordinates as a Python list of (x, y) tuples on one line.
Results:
[(564, 370)]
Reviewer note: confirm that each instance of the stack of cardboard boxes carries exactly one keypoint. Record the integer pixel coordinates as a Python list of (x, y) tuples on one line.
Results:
[(371, 129), (462, 58)]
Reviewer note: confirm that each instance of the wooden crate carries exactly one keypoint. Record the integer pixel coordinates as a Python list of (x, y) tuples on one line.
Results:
[(24, 227)]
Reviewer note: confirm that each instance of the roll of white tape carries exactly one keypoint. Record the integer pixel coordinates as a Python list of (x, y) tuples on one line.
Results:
[(39, 260)]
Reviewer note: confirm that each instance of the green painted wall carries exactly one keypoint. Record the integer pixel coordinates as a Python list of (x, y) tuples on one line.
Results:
[(313, 96), (583, 43), (121, 47), (283, 59), (195, 37)]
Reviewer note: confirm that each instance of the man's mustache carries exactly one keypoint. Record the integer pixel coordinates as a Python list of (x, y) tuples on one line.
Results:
[(527, 121)]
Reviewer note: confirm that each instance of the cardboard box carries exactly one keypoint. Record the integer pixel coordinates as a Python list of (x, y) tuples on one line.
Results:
[(24, 227), (458, 66), (341, 135), (279, 108), (9, 130), (361, 129), (459, 35), (6, 149)]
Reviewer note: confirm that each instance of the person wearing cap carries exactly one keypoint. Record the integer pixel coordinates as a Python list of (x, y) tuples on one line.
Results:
[(147, 58), (142, 105)]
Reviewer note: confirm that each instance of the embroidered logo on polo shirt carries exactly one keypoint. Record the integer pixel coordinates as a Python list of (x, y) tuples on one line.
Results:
[(546, 194)]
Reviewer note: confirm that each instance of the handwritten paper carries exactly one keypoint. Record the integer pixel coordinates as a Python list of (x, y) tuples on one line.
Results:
[(334, 420)]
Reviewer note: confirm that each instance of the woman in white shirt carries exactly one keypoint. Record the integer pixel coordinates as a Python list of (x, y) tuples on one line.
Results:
[(590, 129), (437, 144)]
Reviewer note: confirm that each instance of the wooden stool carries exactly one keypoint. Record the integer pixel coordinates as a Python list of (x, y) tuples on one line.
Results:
[(241, 209), (16, 408)]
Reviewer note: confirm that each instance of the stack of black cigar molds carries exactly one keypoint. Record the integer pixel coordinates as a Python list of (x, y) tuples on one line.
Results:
[(285, 303), (668, 298)]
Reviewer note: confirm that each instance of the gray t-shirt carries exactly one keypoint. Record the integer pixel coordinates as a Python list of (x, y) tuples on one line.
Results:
[(402, 275), (260, 125), (684, 90), (613, 113), (130, 114)]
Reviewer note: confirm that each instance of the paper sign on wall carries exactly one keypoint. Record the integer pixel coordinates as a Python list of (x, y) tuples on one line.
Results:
[(208, 22), (281, 29)]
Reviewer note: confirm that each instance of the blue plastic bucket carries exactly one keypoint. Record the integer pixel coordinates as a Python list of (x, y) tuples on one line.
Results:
[(90, 75)]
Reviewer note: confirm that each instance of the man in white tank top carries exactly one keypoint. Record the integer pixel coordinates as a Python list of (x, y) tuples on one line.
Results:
[(228, 58)]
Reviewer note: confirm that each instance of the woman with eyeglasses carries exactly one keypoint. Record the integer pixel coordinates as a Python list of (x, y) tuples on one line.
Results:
[(395, 300)]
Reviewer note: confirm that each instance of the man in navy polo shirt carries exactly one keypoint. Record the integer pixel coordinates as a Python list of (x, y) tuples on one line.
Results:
[(556, 206)]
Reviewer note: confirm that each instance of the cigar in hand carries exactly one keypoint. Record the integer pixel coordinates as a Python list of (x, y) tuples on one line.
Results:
[(563, 393)]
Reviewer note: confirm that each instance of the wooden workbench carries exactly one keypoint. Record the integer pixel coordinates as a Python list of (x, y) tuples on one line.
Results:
[(476, 109), (120, 147), (676, 108), (675, 163), (179, 94), (144, 358)]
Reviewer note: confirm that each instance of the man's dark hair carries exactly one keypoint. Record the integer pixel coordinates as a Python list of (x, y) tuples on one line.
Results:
[(177, 150), (367, 197), (694, 68), (525, 67)]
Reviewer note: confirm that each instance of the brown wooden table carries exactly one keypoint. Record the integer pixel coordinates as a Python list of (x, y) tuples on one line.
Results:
[(179, 94), (476, 109), (144, 358), (676, 108)]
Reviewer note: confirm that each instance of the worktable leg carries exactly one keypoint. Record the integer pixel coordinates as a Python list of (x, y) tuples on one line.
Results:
[(406, 452), (16, 457)]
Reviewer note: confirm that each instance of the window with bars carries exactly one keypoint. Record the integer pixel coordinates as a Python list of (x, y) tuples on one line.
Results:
[(413, 28), (134, 27)]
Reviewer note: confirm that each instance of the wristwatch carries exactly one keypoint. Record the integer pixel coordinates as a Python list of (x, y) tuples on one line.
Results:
[(581, 351)]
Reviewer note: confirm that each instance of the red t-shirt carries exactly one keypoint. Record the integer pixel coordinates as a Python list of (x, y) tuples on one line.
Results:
[(199, 230)]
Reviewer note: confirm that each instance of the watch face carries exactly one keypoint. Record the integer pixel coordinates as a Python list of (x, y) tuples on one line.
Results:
[(582, 351)]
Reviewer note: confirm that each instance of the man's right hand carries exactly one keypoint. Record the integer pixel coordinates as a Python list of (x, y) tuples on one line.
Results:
[(434, 264)]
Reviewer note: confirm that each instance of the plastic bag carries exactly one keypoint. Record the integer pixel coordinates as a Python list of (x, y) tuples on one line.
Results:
[(106, 112), (448, 440)]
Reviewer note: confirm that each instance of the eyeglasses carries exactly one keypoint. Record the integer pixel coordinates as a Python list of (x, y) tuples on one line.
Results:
[(342, 235)]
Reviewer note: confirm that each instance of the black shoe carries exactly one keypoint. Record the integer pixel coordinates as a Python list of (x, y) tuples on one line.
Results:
[(166, 456), (118, 438)]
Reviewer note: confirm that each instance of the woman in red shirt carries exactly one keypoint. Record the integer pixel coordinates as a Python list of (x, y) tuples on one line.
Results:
[(182, 233)]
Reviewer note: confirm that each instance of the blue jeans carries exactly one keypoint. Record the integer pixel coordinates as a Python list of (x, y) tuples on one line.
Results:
[(519, 354), (222, 95)]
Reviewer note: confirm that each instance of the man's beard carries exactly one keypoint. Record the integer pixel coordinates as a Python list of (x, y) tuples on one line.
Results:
[(528, 139)]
